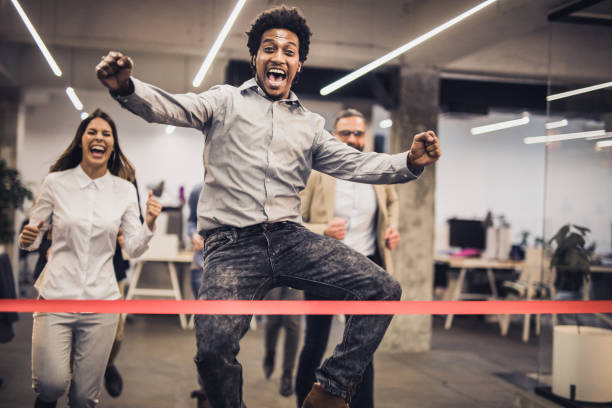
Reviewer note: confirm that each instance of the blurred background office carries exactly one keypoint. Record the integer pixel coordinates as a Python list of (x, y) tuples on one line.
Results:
[(520, 94)]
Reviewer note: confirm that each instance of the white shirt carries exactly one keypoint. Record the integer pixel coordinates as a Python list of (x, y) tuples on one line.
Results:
[(356, 203), (86, 215)]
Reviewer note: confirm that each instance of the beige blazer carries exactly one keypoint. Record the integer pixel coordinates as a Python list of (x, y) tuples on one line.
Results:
[(318, 200)]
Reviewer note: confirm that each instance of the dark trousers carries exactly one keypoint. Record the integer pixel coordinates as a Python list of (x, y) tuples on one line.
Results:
[(315, 343), (244, 263), (291, 324)]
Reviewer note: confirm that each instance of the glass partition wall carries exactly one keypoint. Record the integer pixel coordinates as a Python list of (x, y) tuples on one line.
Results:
[(575, 350)]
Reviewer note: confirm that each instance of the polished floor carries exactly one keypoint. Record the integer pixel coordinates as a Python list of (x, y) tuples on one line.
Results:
[(462, 369)]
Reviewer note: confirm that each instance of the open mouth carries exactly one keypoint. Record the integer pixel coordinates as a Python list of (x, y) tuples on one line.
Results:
[(276, 77), (97, 151)]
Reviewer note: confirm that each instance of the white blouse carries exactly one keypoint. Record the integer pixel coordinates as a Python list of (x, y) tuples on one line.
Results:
[(86, 215)]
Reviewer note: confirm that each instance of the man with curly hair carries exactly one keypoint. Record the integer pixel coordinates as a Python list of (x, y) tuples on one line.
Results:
[(260, 144)]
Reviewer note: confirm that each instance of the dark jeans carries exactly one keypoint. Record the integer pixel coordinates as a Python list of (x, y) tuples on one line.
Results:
[(291, 323), (244, 263), (315, 343)]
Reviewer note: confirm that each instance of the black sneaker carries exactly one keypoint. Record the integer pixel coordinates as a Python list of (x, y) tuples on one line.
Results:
[(40, 404), (286, 384), (268, 364), (113, 381)]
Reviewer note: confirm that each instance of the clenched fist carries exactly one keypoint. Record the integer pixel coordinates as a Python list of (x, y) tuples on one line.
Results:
[(336, 228), (425, 150), (153, 210), (29, 233), (114, 71)]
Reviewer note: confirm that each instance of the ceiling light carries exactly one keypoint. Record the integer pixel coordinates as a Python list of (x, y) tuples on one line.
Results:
[(558, 124), (217, 44), (385, 123), (567, 94), (41, 45), (593, 134), (84, 115), (500, 125), (393, 54), (170, 129), (74, 98), (602, 144)]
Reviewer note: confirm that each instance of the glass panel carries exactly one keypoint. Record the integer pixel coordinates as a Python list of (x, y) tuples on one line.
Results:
[(577, 213)]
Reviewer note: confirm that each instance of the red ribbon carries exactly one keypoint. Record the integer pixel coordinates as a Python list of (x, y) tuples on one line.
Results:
[(303, 307)]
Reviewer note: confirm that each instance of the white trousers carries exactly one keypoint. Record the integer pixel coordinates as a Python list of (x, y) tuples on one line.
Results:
[(88, 338)]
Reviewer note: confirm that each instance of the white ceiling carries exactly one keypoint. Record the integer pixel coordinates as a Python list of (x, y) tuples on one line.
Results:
[(168, 39)]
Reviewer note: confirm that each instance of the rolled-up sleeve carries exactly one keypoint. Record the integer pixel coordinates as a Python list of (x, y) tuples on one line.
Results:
[(335, 158)]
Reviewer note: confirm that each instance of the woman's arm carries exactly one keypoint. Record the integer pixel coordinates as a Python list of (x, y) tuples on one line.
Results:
[(40, 218), (136, 235)]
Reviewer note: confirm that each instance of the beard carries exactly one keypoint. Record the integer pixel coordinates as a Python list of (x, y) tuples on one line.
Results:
[(354, 146)]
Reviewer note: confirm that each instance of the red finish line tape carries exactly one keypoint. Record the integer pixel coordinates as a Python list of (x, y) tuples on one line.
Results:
[(305, 307)]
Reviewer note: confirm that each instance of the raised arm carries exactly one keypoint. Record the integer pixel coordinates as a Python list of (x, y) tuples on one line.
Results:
[(136, 235), (149, 102), (335, 158)]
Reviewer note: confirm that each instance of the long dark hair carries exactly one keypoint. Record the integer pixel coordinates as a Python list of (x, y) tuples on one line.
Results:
[(117, 164)]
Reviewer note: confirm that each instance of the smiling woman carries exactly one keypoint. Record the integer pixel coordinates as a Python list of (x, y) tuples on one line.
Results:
[(89, 207), (96, 143)]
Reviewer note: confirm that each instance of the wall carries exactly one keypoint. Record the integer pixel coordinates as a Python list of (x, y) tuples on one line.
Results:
[(498, 172)]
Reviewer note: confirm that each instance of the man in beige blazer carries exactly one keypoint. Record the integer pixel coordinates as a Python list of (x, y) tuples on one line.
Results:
[(318, 202), (365, 217)]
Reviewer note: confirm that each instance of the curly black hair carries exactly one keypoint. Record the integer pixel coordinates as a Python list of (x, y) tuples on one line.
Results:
[(280, 17)]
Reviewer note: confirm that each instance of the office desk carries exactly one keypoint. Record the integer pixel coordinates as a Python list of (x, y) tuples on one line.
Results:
[(600, 269), (173, 292), (466, 264)]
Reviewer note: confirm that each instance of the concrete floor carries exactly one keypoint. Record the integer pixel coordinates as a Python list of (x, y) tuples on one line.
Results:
[(157, 368)]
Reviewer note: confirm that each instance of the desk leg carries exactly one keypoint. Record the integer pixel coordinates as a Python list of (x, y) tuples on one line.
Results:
[(133, 284), (526, 319), (456, 296), (502, 320), (177, 291), (492, 283)]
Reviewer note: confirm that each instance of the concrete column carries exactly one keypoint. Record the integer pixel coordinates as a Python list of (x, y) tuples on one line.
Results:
[(416, 111)]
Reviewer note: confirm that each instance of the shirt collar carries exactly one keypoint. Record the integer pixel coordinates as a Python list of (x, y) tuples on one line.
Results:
[(251, 84), (84, 180)]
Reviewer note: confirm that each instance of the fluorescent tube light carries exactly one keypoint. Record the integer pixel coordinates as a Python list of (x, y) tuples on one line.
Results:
[(593, 134), (408, 46), (217, 44), (500, 125), (567, 94), (41, 45), (385, 123), (84, 115), (74, 98), (558, 124), (170, 129), (602, 144)]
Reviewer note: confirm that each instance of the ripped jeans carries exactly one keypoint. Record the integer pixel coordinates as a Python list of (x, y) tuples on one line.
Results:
[(244, 263)]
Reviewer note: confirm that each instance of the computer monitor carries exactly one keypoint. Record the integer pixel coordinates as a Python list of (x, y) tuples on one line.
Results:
[(467, 233)]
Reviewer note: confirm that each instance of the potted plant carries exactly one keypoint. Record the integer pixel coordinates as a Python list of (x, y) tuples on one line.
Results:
[(12, 195), (571, 259)]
